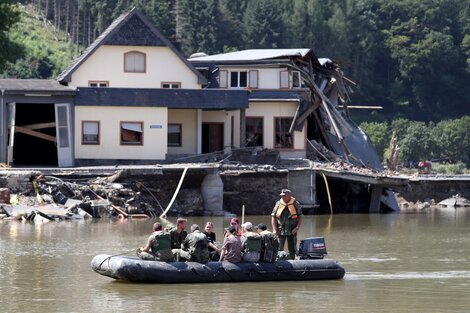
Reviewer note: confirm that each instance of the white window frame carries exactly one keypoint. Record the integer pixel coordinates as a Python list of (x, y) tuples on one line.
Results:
[(300, 80), (98, 83), (171, 85), (238, 75)]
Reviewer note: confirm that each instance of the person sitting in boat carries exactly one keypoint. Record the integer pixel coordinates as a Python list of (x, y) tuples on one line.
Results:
[(286, 219), (269, 244), (251, 243), (178, 233), (194, 248), (157, 247), (234, 222), (232, 247), (214, 251)]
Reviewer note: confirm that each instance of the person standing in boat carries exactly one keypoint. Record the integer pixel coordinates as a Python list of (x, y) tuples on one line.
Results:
[(157, 247), (194, 247), (232, 247), (286, 219), (251, 243), (214, 251), (178, 233)]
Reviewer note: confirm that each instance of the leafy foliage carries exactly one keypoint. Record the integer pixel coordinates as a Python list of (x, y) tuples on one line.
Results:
[(447, 140), (8, 17), (44, 54)]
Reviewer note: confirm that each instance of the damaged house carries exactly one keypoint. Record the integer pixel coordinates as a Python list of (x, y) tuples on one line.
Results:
[(133, 98)]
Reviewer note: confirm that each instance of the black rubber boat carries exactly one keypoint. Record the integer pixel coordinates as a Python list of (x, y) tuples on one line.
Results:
[(134, 269)]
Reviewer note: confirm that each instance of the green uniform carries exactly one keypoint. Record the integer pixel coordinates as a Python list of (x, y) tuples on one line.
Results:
[(194, 248)]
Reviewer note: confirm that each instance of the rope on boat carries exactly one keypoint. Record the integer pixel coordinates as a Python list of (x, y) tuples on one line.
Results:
[(176, 193), (328, 192), (109, 257)]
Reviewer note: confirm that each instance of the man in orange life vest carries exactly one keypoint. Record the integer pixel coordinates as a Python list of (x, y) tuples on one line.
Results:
[(286, 220)]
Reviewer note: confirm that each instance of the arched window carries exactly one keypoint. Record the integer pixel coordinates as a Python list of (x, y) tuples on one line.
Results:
[(134, 62)]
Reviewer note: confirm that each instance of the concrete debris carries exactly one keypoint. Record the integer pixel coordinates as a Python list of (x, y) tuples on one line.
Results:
[(455, 201), (53, 199)]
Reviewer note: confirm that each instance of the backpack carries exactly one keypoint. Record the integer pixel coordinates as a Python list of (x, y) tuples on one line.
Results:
[(270, 248)]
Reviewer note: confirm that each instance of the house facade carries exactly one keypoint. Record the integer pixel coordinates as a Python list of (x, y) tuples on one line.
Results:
[(130, 97), (276, 94)]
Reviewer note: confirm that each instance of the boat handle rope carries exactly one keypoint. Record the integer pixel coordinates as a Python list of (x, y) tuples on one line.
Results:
[(109, 257)]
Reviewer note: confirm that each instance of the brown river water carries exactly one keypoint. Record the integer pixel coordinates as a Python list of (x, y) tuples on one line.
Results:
[(407, 262)]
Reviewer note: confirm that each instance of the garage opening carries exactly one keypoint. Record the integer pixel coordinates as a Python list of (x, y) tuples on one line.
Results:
[(35, 135)]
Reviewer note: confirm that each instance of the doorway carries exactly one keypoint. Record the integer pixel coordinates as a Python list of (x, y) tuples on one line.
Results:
[(35, 135), (212, 137)]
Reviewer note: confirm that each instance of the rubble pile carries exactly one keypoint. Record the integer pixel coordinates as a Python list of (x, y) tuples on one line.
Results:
[(51, 199)]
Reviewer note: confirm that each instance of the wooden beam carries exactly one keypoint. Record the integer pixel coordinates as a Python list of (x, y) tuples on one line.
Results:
[(19, 129), (40, 125)]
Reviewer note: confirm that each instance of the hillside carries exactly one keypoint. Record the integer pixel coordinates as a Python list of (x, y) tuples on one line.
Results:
[(45, 50)]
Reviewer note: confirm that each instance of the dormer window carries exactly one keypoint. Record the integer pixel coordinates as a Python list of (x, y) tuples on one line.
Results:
[(134, 62)]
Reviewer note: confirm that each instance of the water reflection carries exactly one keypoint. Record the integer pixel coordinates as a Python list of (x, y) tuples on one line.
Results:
[(406, 262)]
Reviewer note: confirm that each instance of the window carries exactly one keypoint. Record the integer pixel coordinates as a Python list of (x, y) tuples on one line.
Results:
[(174, 135), (284, 79), (90, 133), (283, 139), (254, 131), (171, 85), (132, 133), (98, 83), (238, 79), (254, 79), (134, 62), (297, 81), (223, 79)]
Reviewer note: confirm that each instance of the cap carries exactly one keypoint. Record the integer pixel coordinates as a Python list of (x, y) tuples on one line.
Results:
[(194, 227), (231, 229), (261, 226), (247, 225), (284, 192), (234, 220)]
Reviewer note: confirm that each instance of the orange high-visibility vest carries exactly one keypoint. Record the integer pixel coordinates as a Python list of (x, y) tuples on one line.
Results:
[(290, 205)]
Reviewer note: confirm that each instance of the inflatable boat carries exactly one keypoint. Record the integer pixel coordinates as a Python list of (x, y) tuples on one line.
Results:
[(134, 269)]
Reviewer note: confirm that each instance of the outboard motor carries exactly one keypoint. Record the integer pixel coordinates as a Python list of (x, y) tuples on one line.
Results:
[(312, 248)]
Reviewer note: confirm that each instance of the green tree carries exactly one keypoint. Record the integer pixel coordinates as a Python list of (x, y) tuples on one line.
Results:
[(417, 144), (263, 24), (9, 15), (453, 139), (197, 26), (379, 134)]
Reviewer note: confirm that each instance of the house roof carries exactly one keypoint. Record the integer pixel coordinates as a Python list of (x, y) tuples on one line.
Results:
[(253, 55), (36, 86), (130, 29), (220, 99)]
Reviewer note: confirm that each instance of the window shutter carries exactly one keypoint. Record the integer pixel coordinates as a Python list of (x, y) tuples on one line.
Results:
[(284, 79), (253, 79), (223, 79)]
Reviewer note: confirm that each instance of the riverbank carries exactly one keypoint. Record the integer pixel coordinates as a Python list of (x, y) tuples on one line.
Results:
[(218, 189)]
